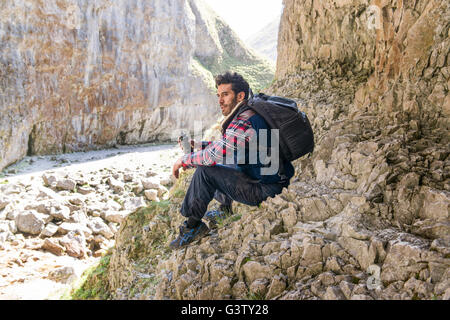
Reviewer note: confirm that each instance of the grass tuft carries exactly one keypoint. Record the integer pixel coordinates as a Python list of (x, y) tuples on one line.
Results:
[(93, 284)]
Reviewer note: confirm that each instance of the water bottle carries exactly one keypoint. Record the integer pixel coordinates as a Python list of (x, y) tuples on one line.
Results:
[(185, 143)]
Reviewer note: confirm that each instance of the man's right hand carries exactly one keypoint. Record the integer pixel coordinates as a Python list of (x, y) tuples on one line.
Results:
[(176, 168)]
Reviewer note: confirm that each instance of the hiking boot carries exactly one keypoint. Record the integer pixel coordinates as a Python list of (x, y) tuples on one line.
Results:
[(188, 235), (215, 216)]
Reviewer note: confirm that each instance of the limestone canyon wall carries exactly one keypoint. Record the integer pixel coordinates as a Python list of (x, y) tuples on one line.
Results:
[(374, 76), (78, 75)]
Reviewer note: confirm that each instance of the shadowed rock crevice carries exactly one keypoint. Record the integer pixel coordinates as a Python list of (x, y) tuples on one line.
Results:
[(31, 141)]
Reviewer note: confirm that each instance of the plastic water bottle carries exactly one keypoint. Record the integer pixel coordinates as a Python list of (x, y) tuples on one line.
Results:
[(185, 143)]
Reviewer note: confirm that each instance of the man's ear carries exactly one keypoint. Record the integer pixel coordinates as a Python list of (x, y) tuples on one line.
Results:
[(240, 96)]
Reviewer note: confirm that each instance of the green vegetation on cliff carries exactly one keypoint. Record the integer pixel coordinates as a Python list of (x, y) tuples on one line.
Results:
[(236, 56), (93, 283)]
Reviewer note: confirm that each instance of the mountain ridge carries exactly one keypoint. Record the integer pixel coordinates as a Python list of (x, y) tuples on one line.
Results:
[(265, 41)]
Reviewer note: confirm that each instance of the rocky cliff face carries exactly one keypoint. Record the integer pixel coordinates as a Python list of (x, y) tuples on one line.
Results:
[(76, 75), (367, 215), (380, 91)]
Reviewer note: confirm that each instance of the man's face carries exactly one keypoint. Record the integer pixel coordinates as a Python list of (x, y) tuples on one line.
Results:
[(227, 98)]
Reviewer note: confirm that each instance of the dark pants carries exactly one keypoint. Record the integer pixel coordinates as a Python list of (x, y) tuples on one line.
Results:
[(225, 184)]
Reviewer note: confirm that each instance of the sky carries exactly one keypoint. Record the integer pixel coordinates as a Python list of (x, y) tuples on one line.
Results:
[(246, 17)]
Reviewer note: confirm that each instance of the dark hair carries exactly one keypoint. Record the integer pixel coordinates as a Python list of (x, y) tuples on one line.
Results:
[(238, 83)]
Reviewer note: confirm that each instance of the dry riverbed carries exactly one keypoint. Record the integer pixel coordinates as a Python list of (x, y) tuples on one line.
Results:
[(59, 213)]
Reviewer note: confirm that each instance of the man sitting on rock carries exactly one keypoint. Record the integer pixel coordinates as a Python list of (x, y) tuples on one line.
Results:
[(221, 173)]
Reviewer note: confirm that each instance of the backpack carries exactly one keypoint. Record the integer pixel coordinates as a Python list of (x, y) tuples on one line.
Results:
[(296, 135)]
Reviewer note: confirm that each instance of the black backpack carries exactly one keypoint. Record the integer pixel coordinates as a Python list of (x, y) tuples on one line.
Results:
[(296, 135)]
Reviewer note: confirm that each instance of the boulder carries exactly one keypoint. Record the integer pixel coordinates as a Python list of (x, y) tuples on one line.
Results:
[(254, 270), (60, 212), (277, 286), (259, 287), (67, 227), (137, 188), (49, 230), (334, 293), (152, 195), (73, 247), (166, 181), (115, 216), (3, 202), (53, 246), (66, 184), (312, 253), (99, 227), (402, 261), (116, 185), (30, 222), (84, 190), (62, 274), (240, 290), (150, 183), (57, 181), (132, 204)]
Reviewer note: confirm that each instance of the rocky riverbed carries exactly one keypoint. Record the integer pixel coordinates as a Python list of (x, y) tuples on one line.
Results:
[(59, 213)]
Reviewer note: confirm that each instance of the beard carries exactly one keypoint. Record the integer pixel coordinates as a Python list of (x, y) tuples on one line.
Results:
[(227, 108)]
